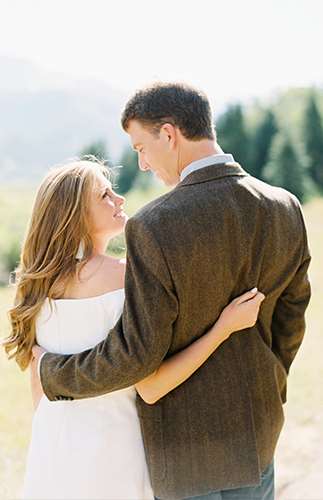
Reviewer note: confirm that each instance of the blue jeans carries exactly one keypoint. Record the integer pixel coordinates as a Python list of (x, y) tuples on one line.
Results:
[(264, 491)]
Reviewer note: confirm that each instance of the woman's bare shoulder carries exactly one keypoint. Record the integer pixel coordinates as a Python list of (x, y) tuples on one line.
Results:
[(113, 269), (113, 263), (123, 263), (100, 275)]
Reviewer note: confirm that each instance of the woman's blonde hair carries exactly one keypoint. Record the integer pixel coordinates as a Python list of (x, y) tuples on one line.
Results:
[(58, 224)]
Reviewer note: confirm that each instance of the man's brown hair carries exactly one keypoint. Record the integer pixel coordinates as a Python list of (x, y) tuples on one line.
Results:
[(180, 104)]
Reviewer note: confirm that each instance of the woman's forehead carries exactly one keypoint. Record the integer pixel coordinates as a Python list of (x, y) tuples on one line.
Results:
[(102, 182)]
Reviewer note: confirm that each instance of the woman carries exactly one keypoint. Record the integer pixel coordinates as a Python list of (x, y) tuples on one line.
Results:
[(90, 448)]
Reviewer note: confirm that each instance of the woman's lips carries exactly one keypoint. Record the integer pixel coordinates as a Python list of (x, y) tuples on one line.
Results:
[(119, 214)]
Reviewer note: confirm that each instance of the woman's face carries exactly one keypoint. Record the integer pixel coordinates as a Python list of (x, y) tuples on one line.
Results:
[(107, 218)]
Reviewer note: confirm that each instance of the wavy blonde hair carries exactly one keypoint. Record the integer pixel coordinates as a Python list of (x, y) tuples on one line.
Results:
[(58, 223)]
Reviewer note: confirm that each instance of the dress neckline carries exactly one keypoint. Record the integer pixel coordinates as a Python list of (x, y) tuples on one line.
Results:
[(89, 298)]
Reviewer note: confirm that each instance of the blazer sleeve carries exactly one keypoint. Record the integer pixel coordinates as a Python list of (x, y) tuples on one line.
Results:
[(139, 341), (288, 325)]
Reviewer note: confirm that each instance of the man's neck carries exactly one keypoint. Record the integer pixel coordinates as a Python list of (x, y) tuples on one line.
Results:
[(197, 151)]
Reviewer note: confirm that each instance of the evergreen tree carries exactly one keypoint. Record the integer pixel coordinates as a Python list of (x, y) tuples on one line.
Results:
[(261, 144), (285, 169), (145, 180), (11, 256), (232, 135), (127, 175), (97, 149), (313, 138)]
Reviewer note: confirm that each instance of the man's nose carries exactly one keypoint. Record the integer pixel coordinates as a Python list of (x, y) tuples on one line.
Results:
[(143, 165)]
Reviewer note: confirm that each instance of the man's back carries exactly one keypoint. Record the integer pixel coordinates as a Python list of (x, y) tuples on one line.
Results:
[(223, 232)]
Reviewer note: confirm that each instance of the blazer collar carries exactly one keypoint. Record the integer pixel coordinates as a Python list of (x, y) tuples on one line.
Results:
[(213, 172)]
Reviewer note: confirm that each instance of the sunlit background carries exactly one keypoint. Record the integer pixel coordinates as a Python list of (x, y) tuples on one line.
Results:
[(66, 71)]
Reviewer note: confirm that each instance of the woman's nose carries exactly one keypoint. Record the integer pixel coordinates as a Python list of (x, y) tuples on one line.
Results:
[(120, 199)]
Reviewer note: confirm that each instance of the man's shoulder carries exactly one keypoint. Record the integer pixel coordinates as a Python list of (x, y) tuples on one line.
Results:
[(155, 209), (274, 194)]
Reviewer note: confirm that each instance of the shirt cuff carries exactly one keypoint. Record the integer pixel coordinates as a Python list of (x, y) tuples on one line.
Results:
[(39, 361)]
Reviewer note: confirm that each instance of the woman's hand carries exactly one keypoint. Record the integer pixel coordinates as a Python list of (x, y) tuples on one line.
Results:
[(242, 312)]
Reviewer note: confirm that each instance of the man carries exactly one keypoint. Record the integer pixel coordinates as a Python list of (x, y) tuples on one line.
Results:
[(218, 233)]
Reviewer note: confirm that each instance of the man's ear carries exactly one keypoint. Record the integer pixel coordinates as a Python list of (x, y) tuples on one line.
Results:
[(168, 133)]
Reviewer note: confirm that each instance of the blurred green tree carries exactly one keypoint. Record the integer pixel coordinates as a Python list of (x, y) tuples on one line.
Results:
[(97, 149), (232, 135), (313, 139), (144, 180), (127, 172), (10, 257), (129, 176), (285, 168), (261, 144)]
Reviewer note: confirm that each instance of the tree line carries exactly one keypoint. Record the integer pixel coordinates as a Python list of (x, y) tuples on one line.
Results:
[(269, 145), (280, 143), (271, 153)]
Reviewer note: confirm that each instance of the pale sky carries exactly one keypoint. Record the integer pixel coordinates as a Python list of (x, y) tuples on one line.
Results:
[(231, 48)]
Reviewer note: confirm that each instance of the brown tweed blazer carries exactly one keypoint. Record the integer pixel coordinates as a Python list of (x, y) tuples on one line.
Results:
[(219, 233)]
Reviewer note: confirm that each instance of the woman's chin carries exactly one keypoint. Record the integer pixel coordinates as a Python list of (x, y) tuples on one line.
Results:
[(121, 221)]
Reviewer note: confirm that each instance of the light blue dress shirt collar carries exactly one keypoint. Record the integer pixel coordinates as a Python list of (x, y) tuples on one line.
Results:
[(205, 162)]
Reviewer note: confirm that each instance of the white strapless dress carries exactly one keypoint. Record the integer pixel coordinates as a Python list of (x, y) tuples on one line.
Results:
[(90, 448)]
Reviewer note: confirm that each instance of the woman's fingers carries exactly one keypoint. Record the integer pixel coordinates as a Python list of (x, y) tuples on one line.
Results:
[(254, 306), (37, 350), (254, 297), (243, 312), (247, 296), (256, 301), (260, 297)]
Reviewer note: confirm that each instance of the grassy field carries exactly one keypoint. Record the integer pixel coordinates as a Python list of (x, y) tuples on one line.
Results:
[(301, 440)]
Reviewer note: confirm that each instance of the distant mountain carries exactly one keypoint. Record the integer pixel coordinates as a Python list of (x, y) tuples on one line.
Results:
[(47, 118)]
